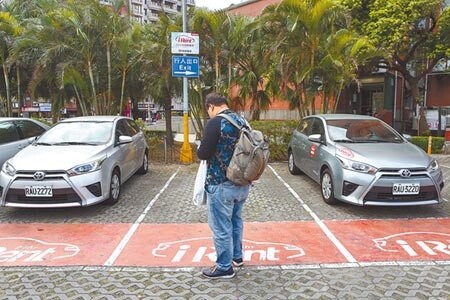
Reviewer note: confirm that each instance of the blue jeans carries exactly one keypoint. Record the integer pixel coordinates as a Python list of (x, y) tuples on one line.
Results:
[(225, 203)]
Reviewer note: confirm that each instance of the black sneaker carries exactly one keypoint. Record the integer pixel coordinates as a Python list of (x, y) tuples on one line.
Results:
[(238, 262), (215, 273)]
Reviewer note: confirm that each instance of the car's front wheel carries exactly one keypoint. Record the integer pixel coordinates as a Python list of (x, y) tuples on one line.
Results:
[(327, 187), (293, 169), (114, 188)]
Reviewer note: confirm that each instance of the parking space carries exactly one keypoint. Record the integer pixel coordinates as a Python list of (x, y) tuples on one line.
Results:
[(287, 223)]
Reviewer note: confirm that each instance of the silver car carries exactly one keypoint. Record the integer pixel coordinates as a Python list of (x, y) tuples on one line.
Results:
[(362, 160), (78, 162), (16, 134)]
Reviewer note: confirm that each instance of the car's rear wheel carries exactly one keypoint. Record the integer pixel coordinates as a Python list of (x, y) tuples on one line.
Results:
[(327, 187), (114, 188), (144, 167), (293, 169)]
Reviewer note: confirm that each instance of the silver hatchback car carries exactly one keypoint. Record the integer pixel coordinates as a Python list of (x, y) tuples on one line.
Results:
[(16, 134), (78, 162), (362, 160)]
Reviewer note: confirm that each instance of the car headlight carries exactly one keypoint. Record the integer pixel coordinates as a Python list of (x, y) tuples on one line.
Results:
[(356, 166), (433, 166), (8, 169), (86, 168)]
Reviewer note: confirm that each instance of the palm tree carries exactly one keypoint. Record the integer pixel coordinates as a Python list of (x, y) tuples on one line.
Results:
[(253, 66), (214, 28), (154, 60), (300, 31), (9, 29)]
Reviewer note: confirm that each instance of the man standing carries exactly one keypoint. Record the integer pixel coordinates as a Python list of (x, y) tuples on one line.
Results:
[(225, 199)]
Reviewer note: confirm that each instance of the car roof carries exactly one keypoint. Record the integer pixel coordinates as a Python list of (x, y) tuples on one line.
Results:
[(93, 119), (14, 118), (344, 117)]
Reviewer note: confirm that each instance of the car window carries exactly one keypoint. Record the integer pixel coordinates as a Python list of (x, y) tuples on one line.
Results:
[(132, 127), (305, 126), (8, 133), (122, 128), (317, 127), (78, 132), (362, 131), (29, 128)]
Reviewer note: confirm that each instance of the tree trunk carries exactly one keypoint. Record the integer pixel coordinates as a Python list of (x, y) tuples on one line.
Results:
[(8, 96)]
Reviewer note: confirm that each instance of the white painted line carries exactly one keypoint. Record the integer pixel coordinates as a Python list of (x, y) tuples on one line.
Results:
[(136, 224), (319, 222)]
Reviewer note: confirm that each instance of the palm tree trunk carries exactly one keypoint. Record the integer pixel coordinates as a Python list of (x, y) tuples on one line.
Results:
[(122, 91), (19, 97), (8, 96), (94, 104), (109, 107)]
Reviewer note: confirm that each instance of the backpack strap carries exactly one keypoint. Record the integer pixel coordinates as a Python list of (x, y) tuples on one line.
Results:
[(233, 122)]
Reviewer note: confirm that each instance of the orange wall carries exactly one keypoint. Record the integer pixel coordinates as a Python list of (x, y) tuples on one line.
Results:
[(251, 8)]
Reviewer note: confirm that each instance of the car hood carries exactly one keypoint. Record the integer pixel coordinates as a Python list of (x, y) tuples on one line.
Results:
[(387, 155), (39, 157)]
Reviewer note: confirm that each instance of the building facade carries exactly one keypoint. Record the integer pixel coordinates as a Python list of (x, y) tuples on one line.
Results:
[(147, 11)]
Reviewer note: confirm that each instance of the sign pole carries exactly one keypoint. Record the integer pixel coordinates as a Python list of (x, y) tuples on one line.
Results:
[(186, 150)]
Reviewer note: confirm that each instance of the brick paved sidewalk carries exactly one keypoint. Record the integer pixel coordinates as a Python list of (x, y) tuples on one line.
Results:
[(421, 281)]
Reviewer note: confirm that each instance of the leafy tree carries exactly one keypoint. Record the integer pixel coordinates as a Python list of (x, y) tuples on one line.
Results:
[(408, 33)]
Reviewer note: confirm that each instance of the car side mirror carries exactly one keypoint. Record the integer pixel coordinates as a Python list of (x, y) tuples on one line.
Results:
[(407, 137), (124, 139), (316, 138)]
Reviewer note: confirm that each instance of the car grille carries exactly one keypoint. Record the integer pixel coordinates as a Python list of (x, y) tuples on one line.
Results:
[(382, 190), (384, 194), (60, 196)]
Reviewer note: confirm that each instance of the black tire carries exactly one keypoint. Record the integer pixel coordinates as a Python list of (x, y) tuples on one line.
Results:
[(327, 187), (144, 167), (293, 169), (114, 188)]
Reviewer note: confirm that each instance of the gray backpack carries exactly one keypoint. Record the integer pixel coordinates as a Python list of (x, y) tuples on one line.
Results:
[(250, 156)]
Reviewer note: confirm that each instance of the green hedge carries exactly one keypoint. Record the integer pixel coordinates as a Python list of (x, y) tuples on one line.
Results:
[(437, 143), (279, 134)]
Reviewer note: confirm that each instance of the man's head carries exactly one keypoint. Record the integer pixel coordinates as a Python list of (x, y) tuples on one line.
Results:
[(215, 103)]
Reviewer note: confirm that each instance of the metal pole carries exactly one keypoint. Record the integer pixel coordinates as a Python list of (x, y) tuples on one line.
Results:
[(186, 150)]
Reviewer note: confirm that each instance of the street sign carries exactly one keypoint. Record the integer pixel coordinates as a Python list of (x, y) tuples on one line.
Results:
[(185, 66), (185, 43)]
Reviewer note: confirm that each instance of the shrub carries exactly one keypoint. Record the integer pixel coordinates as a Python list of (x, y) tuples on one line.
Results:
[(422, 141), (279, 134)]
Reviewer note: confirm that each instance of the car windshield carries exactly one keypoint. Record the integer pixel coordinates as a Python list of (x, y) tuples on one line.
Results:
[(77, 133), (362, 131)]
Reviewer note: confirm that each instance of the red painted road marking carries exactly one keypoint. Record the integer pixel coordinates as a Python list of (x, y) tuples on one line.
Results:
[(395, 240), (58, 244), (269, 243)]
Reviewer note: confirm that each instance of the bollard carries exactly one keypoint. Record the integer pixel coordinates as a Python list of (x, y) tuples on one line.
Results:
[(430, 139)]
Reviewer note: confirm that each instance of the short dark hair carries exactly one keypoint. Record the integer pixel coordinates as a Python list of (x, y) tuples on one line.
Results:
[(215, 99)]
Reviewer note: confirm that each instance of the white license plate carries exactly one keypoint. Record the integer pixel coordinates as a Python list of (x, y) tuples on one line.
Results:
[(38, 191), (406, 188)]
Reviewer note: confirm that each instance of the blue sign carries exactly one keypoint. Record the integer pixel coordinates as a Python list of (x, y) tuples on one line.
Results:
[(185, 66)]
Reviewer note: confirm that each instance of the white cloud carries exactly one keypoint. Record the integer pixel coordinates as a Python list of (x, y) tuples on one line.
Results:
[(214, 4)]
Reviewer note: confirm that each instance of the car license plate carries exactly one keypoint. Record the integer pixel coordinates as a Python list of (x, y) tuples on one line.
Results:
[(39, 191), (406, 188)]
